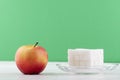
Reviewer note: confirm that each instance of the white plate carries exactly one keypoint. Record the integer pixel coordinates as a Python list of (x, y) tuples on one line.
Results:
[(106, 67)]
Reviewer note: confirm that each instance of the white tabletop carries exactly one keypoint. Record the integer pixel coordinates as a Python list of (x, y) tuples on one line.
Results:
[(9, 71)]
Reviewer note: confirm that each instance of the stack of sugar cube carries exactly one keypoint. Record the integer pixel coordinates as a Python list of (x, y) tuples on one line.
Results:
[(85, 57)]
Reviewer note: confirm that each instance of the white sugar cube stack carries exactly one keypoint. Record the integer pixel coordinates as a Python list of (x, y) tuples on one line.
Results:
[(85, 57)]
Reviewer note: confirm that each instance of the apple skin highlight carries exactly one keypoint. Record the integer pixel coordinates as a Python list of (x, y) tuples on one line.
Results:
[(31, 60)]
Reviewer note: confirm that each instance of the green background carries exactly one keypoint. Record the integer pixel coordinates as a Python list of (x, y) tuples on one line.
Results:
[(59, 25)]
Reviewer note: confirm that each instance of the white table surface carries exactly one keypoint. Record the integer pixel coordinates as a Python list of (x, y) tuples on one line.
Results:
[(9, 71)]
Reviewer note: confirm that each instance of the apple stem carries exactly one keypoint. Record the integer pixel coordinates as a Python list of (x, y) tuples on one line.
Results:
[(36, 44)]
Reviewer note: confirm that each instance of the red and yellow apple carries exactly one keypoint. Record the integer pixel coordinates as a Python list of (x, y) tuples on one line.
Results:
[(31, 59)]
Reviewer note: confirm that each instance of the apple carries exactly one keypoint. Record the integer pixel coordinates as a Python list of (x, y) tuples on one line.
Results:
[(31, 59)]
